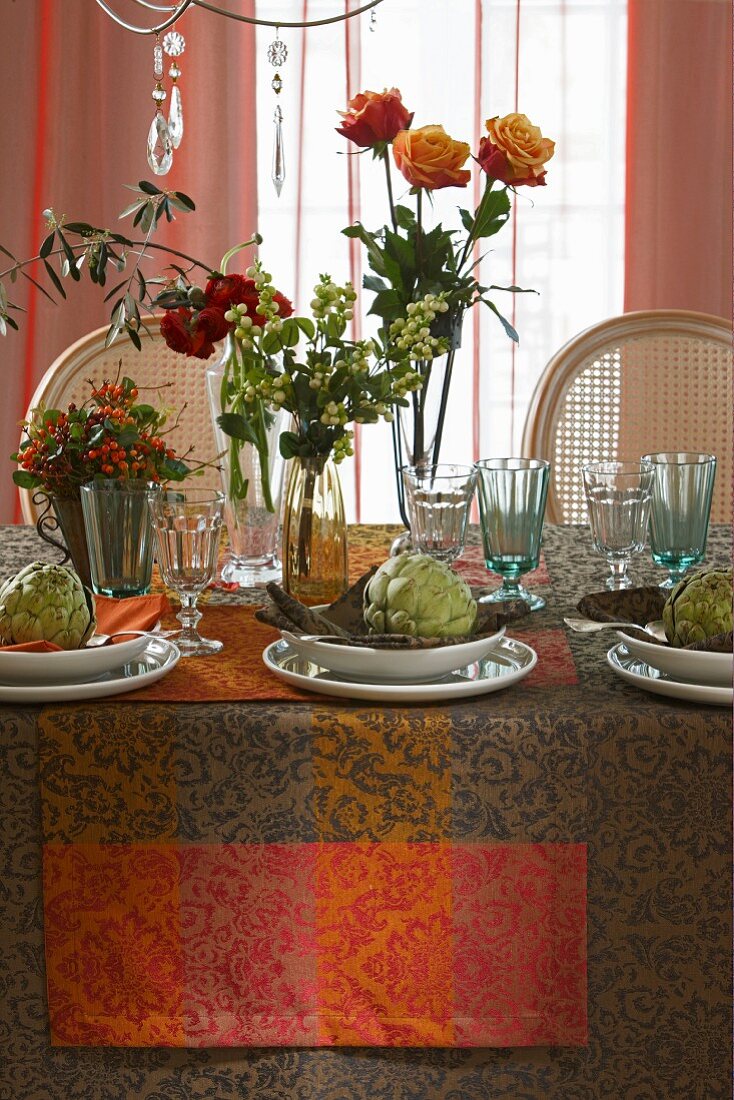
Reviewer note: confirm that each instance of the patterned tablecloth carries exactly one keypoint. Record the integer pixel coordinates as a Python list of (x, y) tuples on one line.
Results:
[(518, 782)]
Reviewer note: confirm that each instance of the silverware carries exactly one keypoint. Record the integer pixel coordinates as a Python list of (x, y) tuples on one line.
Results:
[(588, 626), (102, 639), (290, 637)]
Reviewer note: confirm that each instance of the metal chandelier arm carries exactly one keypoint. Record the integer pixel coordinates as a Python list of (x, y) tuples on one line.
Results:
[(179, 9)]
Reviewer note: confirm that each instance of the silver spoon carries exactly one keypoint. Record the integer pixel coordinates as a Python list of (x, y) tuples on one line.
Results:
[(588, 626)]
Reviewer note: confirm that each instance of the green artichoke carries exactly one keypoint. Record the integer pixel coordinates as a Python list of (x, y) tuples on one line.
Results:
[(699, 607), (46, 603), (417, 595)]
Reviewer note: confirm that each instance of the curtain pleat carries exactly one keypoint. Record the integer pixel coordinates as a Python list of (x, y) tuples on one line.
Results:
[(78, 108), (679, 126)]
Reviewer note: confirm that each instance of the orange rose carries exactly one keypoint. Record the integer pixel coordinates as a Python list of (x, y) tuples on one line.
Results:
[(374, 117), (515, 151), (430, 158)]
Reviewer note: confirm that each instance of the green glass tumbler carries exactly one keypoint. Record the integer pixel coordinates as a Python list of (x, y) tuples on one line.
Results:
[(512, 496), (119, 535), (681, 505)]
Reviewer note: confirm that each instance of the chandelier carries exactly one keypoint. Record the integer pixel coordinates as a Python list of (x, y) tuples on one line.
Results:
[(165, 133)]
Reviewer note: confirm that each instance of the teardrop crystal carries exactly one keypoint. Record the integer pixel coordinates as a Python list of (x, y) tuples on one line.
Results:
[(175, 117), (160, 149), (278, 174)]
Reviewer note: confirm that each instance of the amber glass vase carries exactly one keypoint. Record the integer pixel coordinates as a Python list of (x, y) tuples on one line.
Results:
[(314, 532)]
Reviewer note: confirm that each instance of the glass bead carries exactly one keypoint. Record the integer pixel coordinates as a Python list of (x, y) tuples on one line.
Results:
[(174, 43), (158, 94), (277, 53), (157, 61)]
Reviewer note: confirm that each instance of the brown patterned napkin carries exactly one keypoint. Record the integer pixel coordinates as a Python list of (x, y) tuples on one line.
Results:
[(641, 605), (344, 620)]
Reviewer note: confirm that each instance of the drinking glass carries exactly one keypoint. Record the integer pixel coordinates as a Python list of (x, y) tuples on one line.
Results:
[(438, 499), (679, 515), (512, 496), (187, 525), (119, 537), (618, 496)]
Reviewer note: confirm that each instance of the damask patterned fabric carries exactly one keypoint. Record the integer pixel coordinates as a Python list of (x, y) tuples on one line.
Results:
[(579, 757), (371, 924)]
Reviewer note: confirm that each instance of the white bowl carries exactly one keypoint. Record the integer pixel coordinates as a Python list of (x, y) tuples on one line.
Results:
[(71, 666), (417, 666), (691, 665)]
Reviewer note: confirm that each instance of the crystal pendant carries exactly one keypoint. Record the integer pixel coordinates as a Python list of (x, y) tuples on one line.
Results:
[(175, 117), (278, 175), (160, 149), (157, 61)]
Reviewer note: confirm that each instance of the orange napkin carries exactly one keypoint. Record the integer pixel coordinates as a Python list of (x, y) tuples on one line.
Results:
[(30, 647), (133, 613)]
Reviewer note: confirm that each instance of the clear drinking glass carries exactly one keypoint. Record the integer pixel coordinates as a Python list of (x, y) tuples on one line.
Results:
[(187, 525), (618, 496), (119, 537), (512, 496), (437, 500), (681, 505)]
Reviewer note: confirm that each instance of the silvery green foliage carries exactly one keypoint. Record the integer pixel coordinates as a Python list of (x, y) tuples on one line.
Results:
[(415, 594)]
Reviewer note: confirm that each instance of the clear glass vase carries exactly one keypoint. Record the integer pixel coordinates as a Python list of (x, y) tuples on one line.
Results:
[(252, 478), (314, 532)]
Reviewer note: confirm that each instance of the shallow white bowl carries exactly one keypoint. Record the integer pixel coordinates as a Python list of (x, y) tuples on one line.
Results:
[(67, 666), (690, 665), (415, 666)]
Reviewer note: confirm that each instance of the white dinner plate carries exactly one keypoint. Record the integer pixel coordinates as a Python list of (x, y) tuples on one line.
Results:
[(376, 666), (644, 676), (70, 666), (693, 665), (157, 659), (508, 662)]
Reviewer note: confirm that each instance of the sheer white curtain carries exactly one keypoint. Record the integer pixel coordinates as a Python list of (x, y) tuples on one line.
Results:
[(561, 62)]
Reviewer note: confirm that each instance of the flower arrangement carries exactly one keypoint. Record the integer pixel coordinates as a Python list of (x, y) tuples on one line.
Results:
[(109, 436), (408, 261)]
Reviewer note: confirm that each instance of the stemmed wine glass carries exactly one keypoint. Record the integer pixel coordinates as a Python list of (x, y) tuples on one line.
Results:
[(187, 525), (618, 497)]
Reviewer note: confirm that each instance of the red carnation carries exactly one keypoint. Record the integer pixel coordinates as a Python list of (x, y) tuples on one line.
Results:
[(212, 324), (224, 291)]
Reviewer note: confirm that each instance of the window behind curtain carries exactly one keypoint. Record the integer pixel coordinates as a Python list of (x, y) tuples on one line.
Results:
[(568, 238)]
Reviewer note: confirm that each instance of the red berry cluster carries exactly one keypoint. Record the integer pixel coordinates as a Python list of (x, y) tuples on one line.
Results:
[(110, 436)]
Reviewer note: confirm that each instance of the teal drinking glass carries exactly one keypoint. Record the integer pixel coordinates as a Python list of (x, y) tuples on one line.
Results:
[(512, 496), (681, 505), (119, 535)]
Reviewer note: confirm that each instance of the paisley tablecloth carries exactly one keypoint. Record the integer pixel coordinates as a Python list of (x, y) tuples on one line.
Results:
[(504, 789)]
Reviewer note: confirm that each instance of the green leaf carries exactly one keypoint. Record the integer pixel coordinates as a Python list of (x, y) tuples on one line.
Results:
[(25, 480), (181, 201), (492, 212), (133, 334), (132, 207), (289, 444), (149, 188), (54, 278), (513, 289), (82, 228), (467, 220), (405, 217), (511, 332), (307, 327), (46, 245), (12, 322), (238, 427), (373, 282), (173, 469), (290, 333), (141, 285), (114, 290)]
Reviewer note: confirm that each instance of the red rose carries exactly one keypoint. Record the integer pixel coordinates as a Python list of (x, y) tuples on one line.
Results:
[(374, 117), (175, 332)]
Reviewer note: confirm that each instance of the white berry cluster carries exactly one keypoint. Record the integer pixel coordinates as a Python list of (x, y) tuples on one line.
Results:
[(413, 333), (343, 447), (330, 298)]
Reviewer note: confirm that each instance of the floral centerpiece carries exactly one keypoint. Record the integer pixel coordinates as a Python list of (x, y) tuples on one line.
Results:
[(410, 262), (112, 435), (304, 375)]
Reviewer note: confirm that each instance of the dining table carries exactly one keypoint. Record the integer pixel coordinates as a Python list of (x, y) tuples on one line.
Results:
[(606, 808)]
